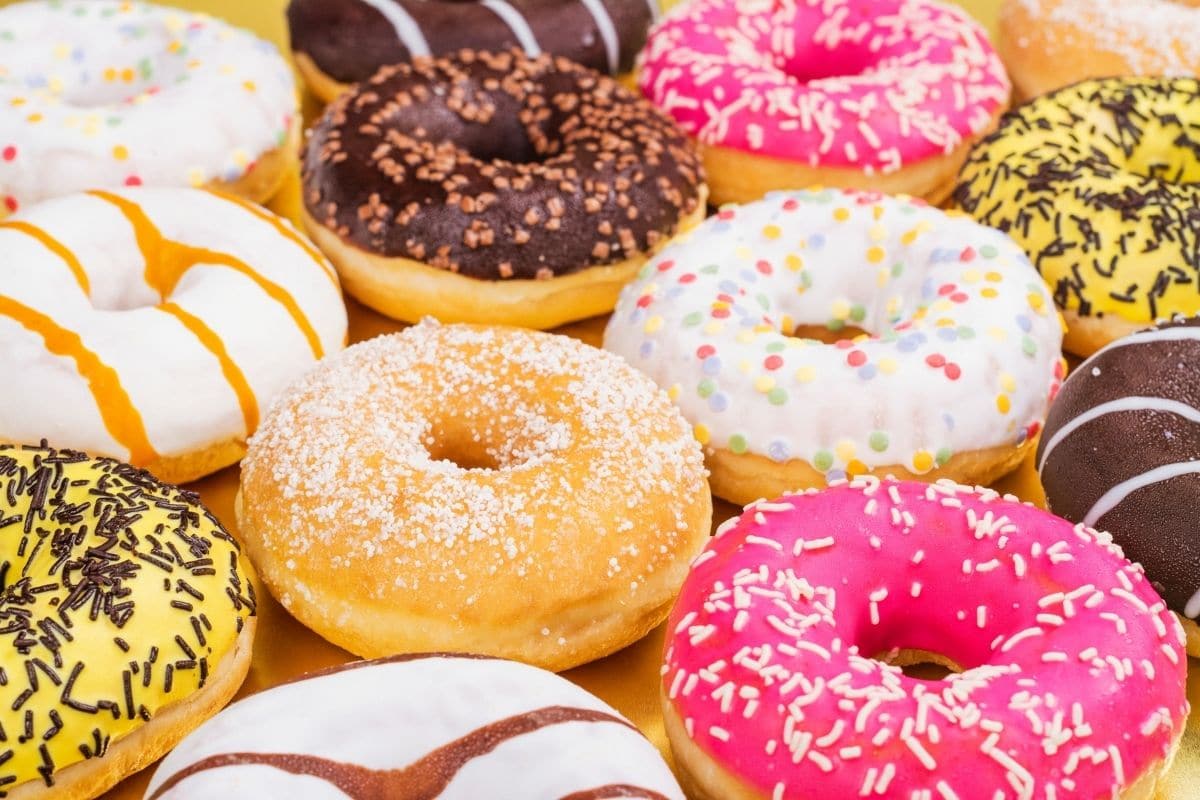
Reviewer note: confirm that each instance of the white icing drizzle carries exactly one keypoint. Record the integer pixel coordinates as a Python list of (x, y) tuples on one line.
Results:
[(1192, 609), (1157, 335), (516, 23), (608, 32), (1116, 495), (655, 10), (1134, 403), (406, 27)]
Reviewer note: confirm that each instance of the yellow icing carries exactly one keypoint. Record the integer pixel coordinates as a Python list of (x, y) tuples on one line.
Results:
[(91, 537)]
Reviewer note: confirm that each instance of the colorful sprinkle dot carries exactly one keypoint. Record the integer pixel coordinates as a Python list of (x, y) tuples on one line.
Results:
[(701, 433), (777, 396), (1003, 403), (823, 460), (737, 443), (878, 441), (922, 461)]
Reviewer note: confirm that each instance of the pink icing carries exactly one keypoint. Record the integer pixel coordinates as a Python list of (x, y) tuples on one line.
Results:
[(874, 85), (1075, 679)]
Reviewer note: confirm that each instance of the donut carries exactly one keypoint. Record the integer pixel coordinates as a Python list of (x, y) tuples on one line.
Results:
[(495, 189), (1097, 182), (341, 42), (456, 726), (1049, 44), (950, 379), (129, 614), (156, 325), (1120, 453), (110, 93), (886, 95), (470, 489), (782, 667)]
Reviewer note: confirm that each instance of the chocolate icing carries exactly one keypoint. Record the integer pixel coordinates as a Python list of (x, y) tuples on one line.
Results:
[(350, 39), (1155, 525), (425, 778), (499, 166)]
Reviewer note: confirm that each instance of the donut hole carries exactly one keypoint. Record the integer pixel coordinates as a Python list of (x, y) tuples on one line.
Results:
[(825, 334), (924, 665), (496, 134), (497, 439)]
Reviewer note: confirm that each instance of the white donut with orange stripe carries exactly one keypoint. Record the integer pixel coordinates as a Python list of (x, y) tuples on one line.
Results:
[(156, 325)]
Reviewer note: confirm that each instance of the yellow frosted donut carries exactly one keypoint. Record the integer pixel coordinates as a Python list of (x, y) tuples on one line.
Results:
[(128, 616), (1097, 182)]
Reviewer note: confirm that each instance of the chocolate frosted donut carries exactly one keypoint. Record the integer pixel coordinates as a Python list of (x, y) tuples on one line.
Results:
[(498, 168), (1121, 452), (339, 42)]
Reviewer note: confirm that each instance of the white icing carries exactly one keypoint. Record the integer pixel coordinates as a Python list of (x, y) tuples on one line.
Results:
[(387, 716), (407, 28), (1115, 406), (516, 23), (608, 32), (1117, 494), (176, 384), (101, 93), (763, 392)]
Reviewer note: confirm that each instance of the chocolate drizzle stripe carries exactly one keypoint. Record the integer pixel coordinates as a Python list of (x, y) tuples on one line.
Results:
[(615, 790), (396, 659), (424, 779)]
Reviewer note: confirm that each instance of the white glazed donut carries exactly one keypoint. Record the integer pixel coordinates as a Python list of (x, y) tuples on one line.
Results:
[(109, 93), (451, 727), (954, 382), (156, 325)]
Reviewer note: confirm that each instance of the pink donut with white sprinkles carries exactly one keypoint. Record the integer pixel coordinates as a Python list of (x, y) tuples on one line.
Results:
[(1073, 681), (842, 85)]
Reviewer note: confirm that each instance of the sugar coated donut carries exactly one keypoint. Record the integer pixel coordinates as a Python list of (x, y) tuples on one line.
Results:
[(1048, 44), (156, 325), (886, 95), (1121, 451), (1069, 672), (340, 42), (1098, 183), (495, 188), (418, 726), (129, 617), (474, 489), (951, 381), (110, 93)]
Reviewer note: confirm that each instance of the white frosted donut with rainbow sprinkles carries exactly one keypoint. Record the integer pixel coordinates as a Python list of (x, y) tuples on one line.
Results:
[(884, 95), (110, 93), (953, 379)]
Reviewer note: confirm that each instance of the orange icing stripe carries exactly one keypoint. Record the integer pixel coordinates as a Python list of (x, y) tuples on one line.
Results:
[(54, 246), (284, 230), (167, 261), (120, 416), (233, 374)]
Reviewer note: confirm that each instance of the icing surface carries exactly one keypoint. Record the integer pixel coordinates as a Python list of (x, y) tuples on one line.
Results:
[(963, 353), (417, 727), (155, 322), (110, 93), (872, 86), (1074, 680), (1098, 183), (1121, 451), (121, 595)]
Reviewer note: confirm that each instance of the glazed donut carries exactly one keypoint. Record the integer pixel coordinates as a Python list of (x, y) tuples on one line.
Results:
[(458, 727), (110, 93), (1071, 675), (1097, 182), (951, 380), (886, 95), (1121, 451), (495, 188), (156, 325), (1049, 44), (340, 42), (129, 615), (485, 490)]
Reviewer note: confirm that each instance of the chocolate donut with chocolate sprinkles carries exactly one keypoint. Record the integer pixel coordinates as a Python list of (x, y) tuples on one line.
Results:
[(341, 42), (495, 188), (1121, 453)]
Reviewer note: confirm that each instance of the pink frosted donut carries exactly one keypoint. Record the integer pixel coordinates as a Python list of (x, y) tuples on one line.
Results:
[(885, 94), (1074, 681)]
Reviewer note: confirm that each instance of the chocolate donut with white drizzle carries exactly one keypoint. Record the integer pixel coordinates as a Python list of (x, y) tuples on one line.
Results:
[(346, 41), (1121, 452)]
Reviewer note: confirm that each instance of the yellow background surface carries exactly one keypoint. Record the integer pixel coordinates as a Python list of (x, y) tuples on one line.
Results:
[(627, 680)]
